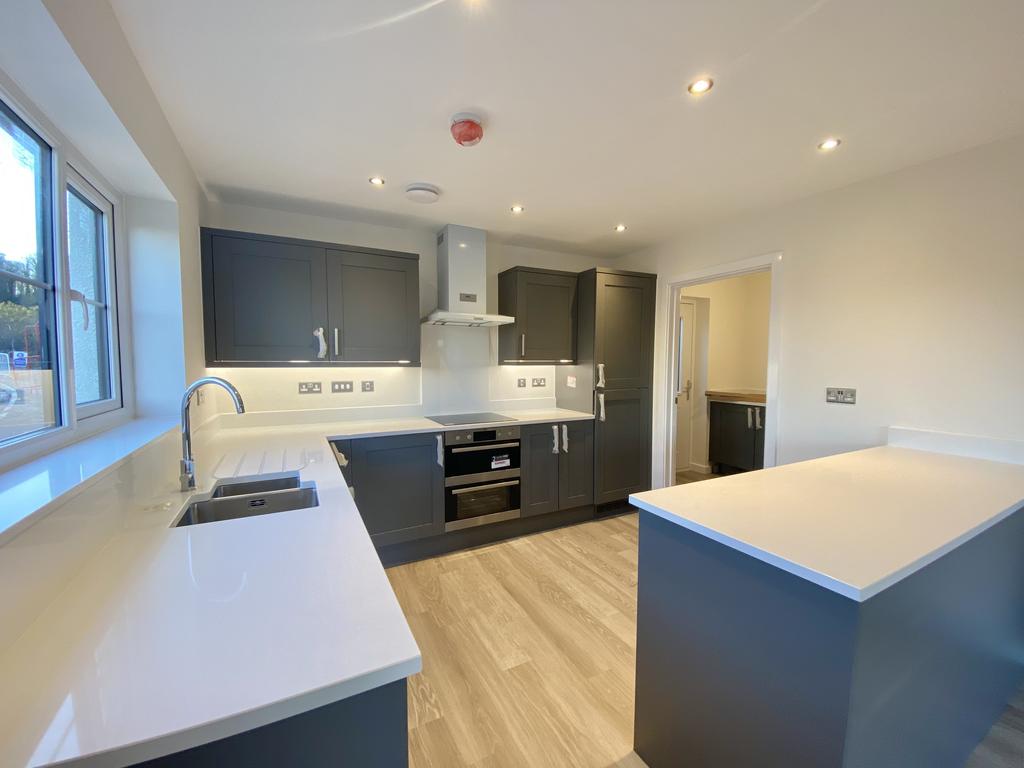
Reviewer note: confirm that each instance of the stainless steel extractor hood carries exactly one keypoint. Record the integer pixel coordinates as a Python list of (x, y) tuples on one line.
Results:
[(462, 280)]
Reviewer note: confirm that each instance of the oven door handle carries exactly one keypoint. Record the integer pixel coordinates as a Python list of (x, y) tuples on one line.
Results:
[(473, 488), (490, 447)]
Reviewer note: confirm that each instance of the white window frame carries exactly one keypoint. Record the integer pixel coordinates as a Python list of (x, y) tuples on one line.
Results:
[(87, 190), (68, 166)]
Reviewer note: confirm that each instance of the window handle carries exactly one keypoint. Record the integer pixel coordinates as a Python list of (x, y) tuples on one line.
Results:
[(75, 295)]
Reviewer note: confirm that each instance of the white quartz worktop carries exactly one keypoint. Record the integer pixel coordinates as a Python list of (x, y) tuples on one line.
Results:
[(855, 523), (356, 428), (172, 637)]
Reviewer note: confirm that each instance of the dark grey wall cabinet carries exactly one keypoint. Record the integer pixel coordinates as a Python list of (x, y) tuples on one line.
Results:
[(557, 467), (736, 435), (622, 454), (267, 300), (373, 307), (543, 303), (624, 332), (399, 486)]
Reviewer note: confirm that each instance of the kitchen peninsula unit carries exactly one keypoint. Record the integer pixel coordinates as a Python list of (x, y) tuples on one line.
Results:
[(855, 611)]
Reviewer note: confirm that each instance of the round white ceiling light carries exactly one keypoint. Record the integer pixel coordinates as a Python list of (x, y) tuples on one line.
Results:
[(421, 192)]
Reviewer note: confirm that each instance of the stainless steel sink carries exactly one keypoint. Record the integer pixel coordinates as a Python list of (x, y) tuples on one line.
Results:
[(251, 497)]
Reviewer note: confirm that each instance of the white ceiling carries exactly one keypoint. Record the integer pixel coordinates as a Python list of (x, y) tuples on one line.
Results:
[(298, 102)]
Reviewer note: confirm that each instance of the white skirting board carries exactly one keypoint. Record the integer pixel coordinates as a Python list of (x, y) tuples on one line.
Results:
[(971, 446)]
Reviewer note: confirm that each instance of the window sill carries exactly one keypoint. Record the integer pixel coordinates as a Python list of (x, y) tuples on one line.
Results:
[(28, 490)]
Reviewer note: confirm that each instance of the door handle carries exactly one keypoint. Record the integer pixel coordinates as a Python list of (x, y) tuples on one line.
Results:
[(750, 422), (336, 342), (321, 343), (757, 418), (554, 434), (490, 447), (522, 345), (600, 374), (489, 486), (440, 451), (565, 438), (600, 401)]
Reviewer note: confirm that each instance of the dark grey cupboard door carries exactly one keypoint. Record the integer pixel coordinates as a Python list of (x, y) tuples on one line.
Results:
[(543, 303), (539, 460), (576, 465), (374, 306), (268, 299), (399, 486), (733, 435), (624, 332), (622, 458)]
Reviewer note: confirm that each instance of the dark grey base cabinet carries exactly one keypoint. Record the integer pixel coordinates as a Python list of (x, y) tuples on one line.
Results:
[(543, 302), (736, 436), (399, 486), (274, 301), (622, 460), (557, 467)]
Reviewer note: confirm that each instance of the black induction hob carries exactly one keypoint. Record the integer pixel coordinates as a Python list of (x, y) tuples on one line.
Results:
[(457, 419)]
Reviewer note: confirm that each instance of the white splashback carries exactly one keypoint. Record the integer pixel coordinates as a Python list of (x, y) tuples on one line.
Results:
[(459, 373)]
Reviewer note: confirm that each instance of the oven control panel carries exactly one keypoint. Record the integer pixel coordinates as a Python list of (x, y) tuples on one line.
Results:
[(467, 437)]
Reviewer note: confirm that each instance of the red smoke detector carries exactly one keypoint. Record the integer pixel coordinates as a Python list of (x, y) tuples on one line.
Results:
[(466, 129)]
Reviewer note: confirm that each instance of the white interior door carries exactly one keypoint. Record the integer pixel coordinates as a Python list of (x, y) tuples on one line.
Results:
[(684, 384)]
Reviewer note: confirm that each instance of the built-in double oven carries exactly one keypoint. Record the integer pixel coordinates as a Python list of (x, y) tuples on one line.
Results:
[(481, 477)]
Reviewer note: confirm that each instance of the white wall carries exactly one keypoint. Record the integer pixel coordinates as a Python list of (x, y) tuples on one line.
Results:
[(737, 355), (907, 287), (459, 368)]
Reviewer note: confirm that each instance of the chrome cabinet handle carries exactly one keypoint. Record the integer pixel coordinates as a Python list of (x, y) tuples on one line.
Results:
[(750, 422), (336, 342), (522, 345), (565, 438), (341, 457), (473, 488), (321, 343), (757, 418), (554, 434), (600, 374), (440, 451), (600, 400)]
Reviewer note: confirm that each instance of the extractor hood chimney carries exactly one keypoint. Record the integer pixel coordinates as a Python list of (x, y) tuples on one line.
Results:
[(462, 280)]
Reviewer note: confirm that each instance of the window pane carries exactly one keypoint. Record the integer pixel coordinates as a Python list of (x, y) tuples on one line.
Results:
[(85, 246), (89, 311), (28, 383), (29, 395)]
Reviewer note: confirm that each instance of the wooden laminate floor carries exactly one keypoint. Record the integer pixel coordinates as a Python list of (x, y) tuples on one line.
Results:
[(528, 654)]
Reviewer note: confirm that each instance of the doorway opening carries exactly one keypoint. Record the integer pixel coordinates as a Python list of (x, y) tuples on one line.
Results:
[(723, 350)]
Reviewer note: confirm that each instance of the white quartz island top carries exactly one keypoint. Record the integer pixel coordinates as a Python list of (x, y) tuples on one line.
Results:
[(173, 637), (854, 523)]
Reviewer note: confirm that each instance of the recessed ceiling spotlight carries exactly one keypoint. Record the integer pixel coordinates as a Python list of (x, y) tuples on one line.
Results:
[(377, 181), (517, 209), (700, 87), (829, 144), (462, 245), (620, 227)]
